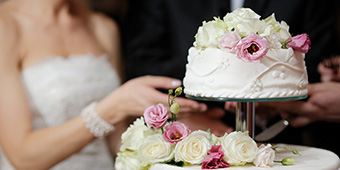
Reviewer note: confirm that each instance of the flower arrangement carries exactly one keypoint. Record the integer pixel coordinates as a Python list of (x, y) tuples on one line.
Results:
[(244, 33), (156, 138)]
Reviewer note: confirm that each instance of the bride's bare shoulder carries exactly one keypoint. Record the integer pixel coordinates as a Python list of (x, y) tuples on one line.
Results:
[(107, 32), (104, 24)]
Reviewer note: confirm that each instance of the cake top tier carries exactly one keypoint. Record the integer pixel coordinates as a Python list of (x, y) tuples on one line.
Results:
[(244, 32), (245, 57)]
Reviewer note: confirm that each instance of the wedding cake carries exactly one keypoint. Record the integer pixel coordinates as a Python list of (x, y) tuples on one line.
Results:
[(242, 56)]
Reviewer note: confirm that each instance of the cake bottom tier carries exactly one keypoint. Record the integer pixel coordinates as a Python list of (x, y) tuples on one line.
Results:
[(311, 158)]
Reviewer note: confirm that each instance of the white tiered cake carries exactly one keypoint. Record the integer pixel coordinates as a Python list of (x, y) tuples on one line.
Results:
[(239, 57), (242, 56)]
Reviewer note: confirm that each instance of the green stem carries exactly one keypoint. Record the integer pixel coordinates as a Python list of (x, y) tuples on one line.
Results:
[(169, 100), (288, 149)]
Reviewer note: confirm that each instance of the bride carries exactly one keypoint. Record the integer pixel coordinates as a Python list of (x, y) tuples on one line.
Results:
[(60, 93)]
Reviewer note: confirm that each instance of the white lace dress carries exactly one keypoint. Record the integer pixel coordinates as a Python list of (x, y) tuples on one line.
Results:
[(58, 89)]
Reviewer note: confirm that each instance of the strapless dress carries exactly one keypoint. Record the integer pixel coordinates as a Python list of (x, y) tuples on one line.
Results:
[(58, 89)]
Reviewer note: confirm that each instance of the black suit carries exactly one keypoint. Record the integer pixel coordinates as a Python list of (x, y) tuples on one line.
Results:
[(158, 33)]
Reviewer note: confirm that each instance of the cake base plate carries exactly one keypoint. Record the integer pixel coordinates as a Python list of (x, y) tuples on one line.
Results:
[(222, 99), (245, 109)]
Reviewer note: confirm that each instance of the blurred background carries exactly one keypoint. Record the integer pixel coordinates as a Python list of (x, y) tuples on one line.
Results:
[(319, 134)]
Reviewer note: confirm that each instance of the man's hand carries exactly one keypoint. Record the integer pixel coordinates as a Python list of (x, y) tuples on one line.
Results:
[(323, 105)]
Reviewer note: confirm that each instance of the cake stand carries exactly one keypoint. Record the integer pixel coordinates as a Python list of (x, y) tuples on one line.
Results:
[(245, 109)]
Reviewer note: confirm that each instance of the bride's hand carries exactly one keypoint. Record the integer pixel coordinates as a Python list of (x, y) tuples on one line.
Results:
[(134, 96)]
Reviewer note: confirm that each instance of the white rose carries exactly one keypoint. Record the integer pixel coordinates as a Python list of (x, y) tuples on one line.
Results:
[(193, 149), (238, 148), (271, 20), (273, 25), (270, 26), (265, 156), (245, 21), (271, 32), (249, 25), (208, 34), (128, 160), (155, 149), (284, 32), (274, 40), (231, 20), (135, 134), (267, 31), (246, 13)]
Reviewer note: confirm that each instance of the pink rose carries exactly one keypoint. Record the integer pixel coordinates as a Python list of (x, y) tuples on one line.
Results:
[(156, 116), (265, 156), (300, 43), (228, 41), (214, 159), (252, 48), (175, 132)]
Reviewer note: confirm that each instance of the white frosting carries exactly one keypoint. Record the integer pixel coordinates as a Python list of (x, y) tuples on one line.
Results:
[(215, 73), (311, 159)]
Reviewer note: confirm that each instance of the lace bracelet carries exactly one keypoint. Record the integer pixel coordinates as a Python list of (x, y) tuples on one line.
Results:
[(97, 126)]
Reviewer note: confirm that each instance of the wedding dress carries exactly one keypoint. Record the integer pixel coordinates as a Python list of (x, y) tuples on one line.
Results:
[(58, 89)]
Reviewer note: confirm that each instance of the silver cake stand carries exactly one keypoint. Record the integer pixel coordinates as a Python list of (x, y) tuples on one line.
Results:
[(245, 109)]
